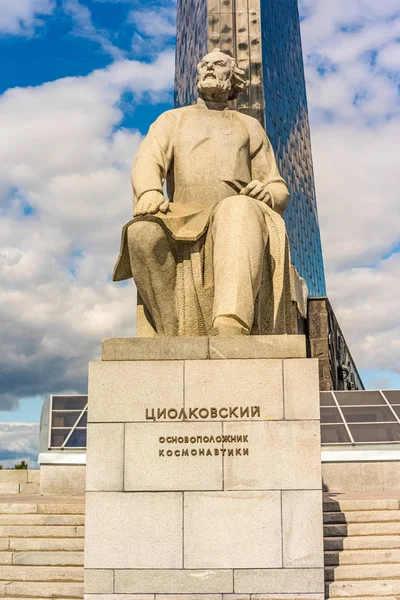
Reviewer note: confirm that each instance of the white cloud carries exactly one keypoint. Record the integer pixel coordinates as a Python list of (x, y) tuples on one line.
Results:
[(61, 150), (157, 22), (19, 441), (352, 67), (21, 17)]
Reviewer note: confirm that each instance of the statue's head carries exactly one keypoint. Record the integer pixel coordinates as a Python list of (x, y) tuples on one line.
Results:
[(218, 73)]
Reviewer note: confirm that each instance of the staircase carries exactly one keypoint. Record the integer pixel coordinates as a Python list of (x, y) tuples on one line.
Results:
[(362, 549), (41, 549)]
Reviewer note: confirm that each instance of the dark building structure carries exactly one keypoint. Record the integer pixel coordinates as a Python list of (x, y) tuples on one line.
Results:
[(264, 36)]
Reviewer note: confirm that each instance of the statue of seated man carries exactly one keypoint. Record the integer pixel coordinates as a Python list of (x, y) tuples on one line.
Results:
[(213, 258)]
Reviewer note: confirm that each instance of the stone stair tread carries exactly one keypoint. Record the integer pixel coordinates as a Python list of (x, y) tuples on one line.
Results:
[(61, 531), (363, 572), (69, 544), (371, 504), (355, 529), (40, 573), (47, 558), (21, 589), (362, 516), (352, 589), (36, 519), (30, 508), (361, 557), (371, 542)]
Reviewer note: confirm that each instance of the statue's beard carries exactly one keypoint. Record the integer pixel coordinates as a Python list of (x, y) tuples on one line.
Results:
[(210, 86)]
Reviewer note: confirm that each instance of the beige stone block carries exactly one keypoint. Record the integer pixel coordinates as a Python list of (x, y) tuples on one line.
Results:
[(133, 531), (302, 529), (155, 349), (189, 597), (288, 597), (105, 457), (9, 487), (34, 476), (29, 488), (146, 470), (231, 383), (62, 480), (301, 389), (231, 530), (120, 597), (13, 476), (149, 349), (98, 581), (236, 596), (258, 347), (122, 391), (282, 455), (174, 581), (280, 581)]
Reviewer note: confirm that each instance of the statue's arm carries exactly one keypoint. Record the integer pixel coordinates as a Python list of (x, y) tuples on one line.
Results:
[(265, 169), (154, 157)]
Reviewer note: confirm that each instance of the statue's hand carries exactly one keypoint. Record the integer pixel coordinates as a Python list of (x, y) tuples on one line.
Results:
[(150, 203), (256, 189)]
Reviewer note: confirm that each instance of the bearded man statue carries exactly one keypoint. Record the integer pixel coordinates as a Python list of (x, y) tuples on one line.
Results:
[(213, 257)]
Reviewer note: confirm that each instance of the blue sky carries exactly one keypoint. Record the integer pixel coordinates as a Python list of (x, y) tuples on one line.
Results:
[(81, 82)]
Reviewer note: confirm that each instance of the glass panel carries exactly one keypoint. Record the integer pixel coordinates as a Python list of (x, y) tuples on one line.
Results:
[(334, 434), (77, 439), (65, 419), (376, 433), (393, 396), (330, 415), (326, 399), (368, 414), (359, 398), (69, 402), (397, 410), (58, 437), (83, 420)]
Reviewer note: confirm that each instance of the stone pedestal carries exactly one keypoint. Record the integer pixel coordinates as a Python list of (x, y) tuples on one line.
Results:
[(204, 471)]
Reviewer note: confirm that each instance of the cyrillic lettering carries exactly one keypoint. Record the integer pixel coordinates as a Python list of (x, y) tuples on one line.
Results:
[(182, 415), (218, 439), (192, 413), (161, 440), (169, 452), (233, 413), (177, 452), (180, 440), (185, 452), (230, 452), (214, 413), (238, 452), (224, 414), (161, 453), (192, 440), (172, 413), (152, 416), (245, 451), (255, 411), (162, 413), (244, 412), (209, 453), (204, 413), (193, 452), (246, 438), (201, 452)]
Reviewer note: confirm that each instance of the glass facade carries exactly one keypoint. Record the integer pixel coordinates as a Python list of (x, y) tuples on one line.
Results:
[(264, 36)]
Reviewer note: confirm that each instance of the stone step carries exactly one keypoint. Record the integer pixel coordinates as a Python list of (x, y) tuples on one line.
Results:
[(43, 509), (62, 509), (46, 544), (362, 572), (19, 589), (42, 574), (44, 531), (349, 505), (363, 589), (42, 558), (354, 529), (364, 598), (362, 516), (23, 519), (362, 557), (373, 542)]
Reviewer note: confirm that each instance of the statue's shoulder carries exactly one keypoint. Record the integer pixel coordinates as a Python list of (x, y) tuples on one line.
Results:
[(173, 115)]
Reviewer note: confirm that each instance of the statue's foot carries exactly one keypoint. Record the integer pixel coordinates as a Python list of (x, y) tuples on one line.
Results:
[(228, 327)]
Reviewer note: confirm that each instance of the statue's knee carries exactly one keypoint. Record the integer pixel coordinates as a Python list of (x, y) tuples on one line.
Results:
[(144, 237), (234, 205)]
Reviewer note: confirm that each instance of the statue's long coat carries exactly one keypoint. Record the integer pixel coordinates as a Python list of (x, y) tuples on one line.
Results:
[(206, 155)]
